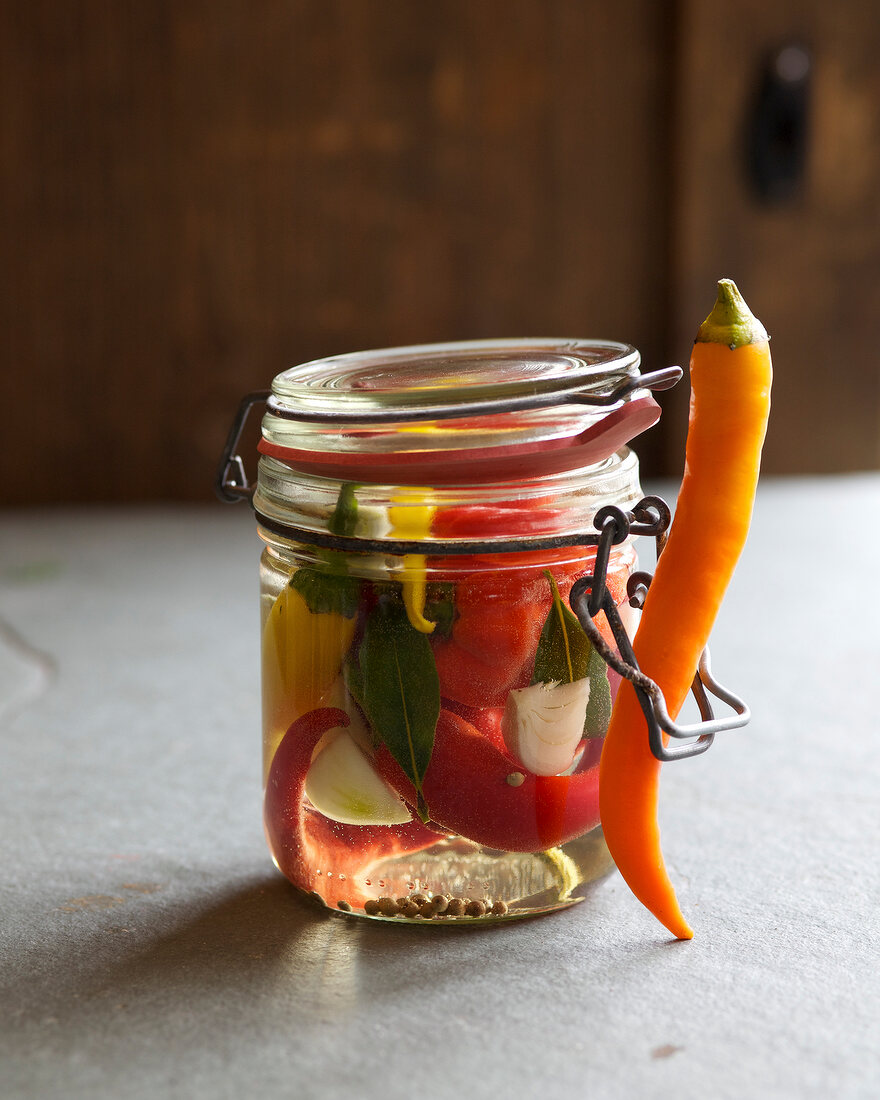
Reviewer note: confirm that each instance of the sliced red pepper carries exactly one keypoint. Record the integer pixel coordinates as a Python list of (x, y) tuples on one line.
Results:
[(498, 620), (310, 850), (494, 637), (468, 790), (504, 519), (551, 791), (551, 800), (502, 600), (485, 720)]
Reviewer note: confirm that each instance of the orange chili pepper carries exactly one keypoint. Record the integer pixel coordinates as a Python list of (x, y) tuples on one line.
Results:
[(731, 376)]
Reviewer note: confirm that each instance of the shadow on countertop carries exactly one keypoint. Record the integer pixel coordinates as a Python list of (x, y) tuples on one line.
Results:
[(188, 957)]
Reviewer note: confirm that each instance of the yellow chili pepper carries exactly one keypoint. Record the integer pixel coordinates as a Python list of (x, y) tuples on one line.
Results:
[(411, 518), (303, 653)]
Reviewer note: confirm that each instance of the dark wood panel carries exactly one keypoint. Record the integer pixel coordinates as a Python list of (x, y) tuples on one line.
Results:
[(196, 194), (810, 266)]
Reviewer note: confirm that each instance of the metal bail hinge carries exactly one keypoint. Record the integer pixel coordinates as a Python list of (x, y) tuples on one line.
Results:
[(590, 595), (231, 484)]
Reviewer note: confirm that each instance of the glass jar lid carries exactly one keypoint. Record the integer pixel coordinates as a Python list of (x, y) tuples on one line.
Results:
[(460, 412)]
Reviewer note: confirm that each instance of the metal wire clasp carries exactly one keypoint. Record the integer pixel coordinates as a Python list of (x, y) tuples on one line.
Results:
[(231, 483), (590, 595)]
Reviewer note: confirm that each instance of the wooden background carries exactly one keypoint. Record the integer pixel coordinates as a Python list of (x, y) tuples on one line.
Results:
[(198, 193)]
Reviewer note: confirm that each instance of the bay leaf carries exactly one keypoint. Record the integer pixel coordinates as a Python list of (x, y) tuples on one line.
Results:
[(327, 592), (565, 654), (328, 587), (401, 690)]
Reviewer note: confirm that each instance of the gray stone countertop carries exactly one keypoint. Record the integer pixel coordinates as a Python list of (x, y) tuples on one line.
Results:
[(150, 949)]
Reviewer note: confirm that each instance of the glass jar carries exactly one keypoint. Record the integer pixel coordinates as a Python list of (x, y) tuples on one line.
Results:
[(433, 713)]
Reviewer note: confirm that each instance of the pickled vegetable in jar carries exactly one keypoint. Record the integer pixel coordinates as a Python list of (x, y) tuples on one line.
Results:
[(433, 711)]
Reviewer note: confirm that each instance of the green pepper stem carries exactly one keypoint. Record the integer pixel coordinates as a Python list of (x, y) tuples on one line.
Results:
[(731, 322)]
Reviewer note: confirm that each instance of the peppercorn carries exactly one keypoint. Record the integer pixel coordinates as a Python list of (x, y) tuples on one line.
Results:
[(439, 904)]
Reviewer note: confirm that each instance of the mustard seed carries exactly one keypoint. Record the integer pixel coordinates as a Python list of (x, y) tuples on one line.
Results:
[(500, 908), (475, 909), (439, 904), (456, 907), (410, 909), (388, 907), (372, 907)]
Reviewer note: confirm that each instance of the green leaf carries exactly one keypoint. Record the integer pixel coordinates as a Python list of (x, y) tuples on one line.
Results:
[(354, 683), (439, 602), (344, 518), (342, 523), (599, 706), (565, 655), (401, 690), (563, 649), (327, 592), (331, 589)]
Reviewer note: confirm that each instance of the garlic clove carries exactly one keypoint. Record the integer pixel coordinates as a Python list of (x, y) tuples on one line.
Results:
[(343, 785), (543, 725), (372, 521)]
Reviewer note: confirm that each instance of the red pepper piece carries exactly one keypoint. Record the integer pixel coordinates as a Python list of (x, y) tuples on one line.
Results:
[(499, 617), (505, 519), (551, 798), (467, 790), (307, 845), (551, 791), (494, 637), (485, 720), (502, 600)]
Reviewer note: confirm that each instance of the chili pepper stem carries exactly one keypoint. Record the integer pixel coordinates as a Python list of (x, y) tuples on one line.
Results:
[(731, 322)]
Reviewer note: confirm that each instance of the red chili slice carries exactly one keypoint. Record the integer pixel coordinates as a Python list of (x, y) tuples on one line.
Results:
[(309, 849), (504, 519), (499, 615), (492, 646), (468, 790)]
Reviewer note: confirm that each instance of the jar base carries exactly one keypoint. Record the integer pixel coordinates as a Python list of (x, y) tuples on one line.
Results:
[(479, 885)]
